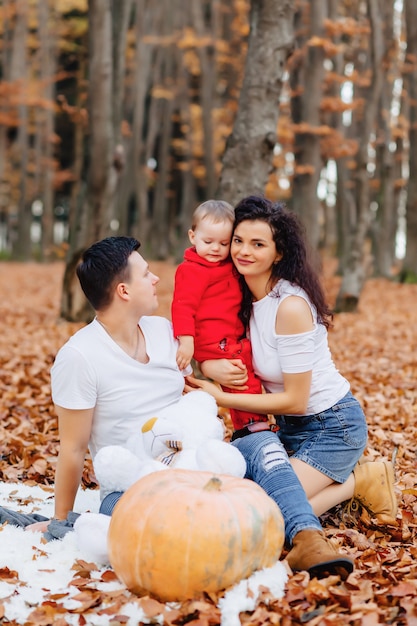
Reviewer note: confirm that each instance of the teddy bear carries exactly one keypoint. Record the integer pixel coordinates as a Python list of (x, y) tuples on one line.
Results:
[(186, 435)]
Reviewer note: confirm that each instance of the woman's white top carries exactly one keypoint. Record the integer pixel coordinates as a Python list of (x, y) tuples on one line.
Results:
[(92, 370), (274, 354)]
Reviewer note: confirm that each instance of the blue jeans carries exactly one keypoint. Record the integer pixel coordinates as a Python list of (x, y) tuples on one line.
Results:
[(268, 465), (331, 441), (109, 502)]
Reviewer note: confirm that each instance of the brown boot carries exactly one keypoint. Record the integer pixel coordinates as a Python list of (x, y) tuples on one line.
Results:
[(374, 489), (311, 551)]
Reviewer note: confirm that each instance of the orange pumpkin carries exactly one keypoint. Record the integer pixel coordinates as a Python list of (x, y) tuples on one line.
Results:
[(177, 533)]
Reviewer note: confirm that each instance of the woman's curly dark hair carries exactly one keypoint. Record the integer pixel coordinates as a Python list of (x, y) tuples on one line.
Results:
[(294, 266)]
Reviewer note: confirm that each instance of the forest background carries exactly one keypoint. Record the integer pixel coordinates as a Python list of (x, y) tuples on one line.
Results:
[(119, 117)]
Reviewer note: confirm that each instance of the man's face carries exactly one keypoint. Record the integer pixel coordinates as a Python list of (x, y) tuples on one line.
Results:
[(141, 284)]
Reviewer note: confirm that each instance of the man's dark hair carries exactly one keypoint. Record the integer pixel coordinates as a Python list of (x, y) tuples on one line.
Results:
[(102, 266)]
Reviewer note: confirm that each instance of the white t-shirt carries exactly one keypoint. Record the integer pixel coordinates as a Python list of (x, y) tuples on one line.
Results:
[(274, 354), (92, 370)]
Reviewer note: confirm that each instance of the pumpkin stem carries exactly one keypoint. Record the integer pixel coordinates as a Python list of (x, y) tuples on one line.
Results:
[(214, 484)]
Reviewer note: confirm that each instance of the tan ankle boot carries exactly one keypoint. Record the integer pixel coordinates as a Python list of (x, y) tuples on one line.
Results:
[(374, 489), (311, 551)]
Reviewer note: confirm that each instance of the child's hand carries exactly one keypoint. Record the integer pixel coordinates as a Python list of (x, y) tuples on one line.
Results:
[(228, 372), (185, 351)]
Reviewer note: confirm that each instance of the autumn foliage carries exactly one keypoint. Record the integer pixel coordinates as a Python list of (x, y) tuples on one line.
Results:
[(375, 348)]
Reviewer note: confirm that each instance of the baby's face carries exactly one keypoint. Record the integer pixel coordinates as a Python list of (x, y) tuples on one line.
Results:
[(212, 239)]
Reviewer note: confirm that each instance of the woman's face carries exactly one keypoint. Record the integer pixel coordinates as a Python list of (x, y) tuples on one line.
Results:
[(253, 249)]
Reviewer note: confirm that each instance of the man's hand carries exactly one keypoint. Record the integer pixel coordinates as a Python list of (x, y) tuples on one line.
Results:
[(40, 527)]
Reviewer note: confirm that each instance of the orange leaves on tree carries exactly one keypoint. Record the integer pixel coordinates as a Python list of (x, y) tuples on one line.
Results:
[(329, 48), (346, 26), (190, 39), (162, 93), (308, 129)]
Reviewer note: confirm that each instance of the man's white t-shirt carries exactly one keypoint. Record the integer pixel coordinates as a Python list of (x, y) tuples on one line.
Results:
[(92, 370)]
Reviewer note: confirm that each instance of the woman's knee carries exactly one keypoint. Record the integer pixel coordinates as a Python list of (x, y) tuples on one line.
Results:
[(261, 452)]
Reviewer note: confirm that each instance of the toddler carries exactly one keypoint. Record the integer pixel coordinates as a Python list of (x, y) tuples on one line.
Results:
[(206, 301)]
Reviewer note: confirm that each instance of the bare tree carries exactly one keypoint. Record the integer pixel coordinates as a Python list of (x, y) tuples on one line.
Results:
[(386, 222), (104, 158), (248, 156), (410, 261), (354, 265), (47, 71), (307, 82), (4, 111), (22, 245)]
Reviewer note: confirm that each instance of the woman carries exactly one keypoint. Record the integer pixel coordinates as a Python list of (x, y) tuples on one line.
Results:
[(321, 425)]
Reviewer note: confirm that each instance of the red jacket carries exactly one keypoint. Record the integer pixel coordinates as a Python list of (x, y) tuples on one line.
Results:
[(206, 301)]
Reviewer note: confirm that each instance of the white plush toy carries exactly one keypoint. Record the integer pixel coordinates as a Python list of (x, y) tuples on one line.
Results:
[(186, 435)]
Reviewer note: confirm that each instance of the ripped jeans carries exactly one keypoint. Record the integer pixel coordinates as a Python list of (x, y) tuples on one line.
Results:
[(268, 465)]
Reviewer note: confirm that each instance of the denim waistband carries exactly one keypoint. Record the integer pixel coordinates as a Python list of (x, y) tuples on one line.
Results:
[(294, 420)]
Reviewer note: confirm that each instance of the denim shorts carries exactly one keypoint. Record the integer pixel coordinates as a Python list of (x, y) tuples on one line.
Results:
[(331, 442)]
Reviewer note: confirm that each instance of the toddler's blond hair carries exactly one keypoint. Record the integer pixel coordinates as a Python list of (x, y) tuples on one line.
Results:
[(216, 210)]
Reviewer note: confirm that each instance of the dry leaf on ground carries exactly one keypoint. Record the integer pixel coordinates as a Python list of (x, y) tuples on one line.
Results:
[(376, 349)]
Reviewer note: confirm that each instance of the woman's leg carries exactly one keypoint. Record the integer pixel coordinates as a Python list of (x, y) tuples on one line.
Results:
[(268, 465), (322, 492), (324, 450), (371, 484)]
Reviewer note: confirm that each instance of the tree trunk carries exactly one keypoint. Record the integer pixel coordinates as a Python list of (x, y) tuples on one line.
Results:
[(78, 186), (5, 186), (21, 244), (334, 210), (385, 225), (103, 164), (354, 270), (247, 160), (121, 13), (409, 271), (308, 161), (101, 179), (207, 88), (160, 227), (47, 70), (188, 187), (144, 125)]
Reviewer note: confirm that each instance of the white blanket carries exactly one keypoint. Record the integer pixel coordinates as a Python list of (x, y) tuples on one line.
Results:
[(33, 572)]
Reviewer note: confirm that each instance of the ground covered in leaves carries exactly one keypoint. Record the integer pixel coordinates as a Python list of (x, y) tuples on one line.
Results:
[(375, 348)]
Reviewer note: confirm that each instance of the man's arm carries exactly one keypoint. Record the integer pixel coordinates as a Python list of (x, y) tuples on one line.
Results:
[(74, 434)]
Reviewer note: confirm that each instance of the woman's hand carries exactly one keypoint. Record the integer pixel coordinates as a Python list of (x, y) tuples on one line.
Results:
[(192, 383), (229, 373)]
